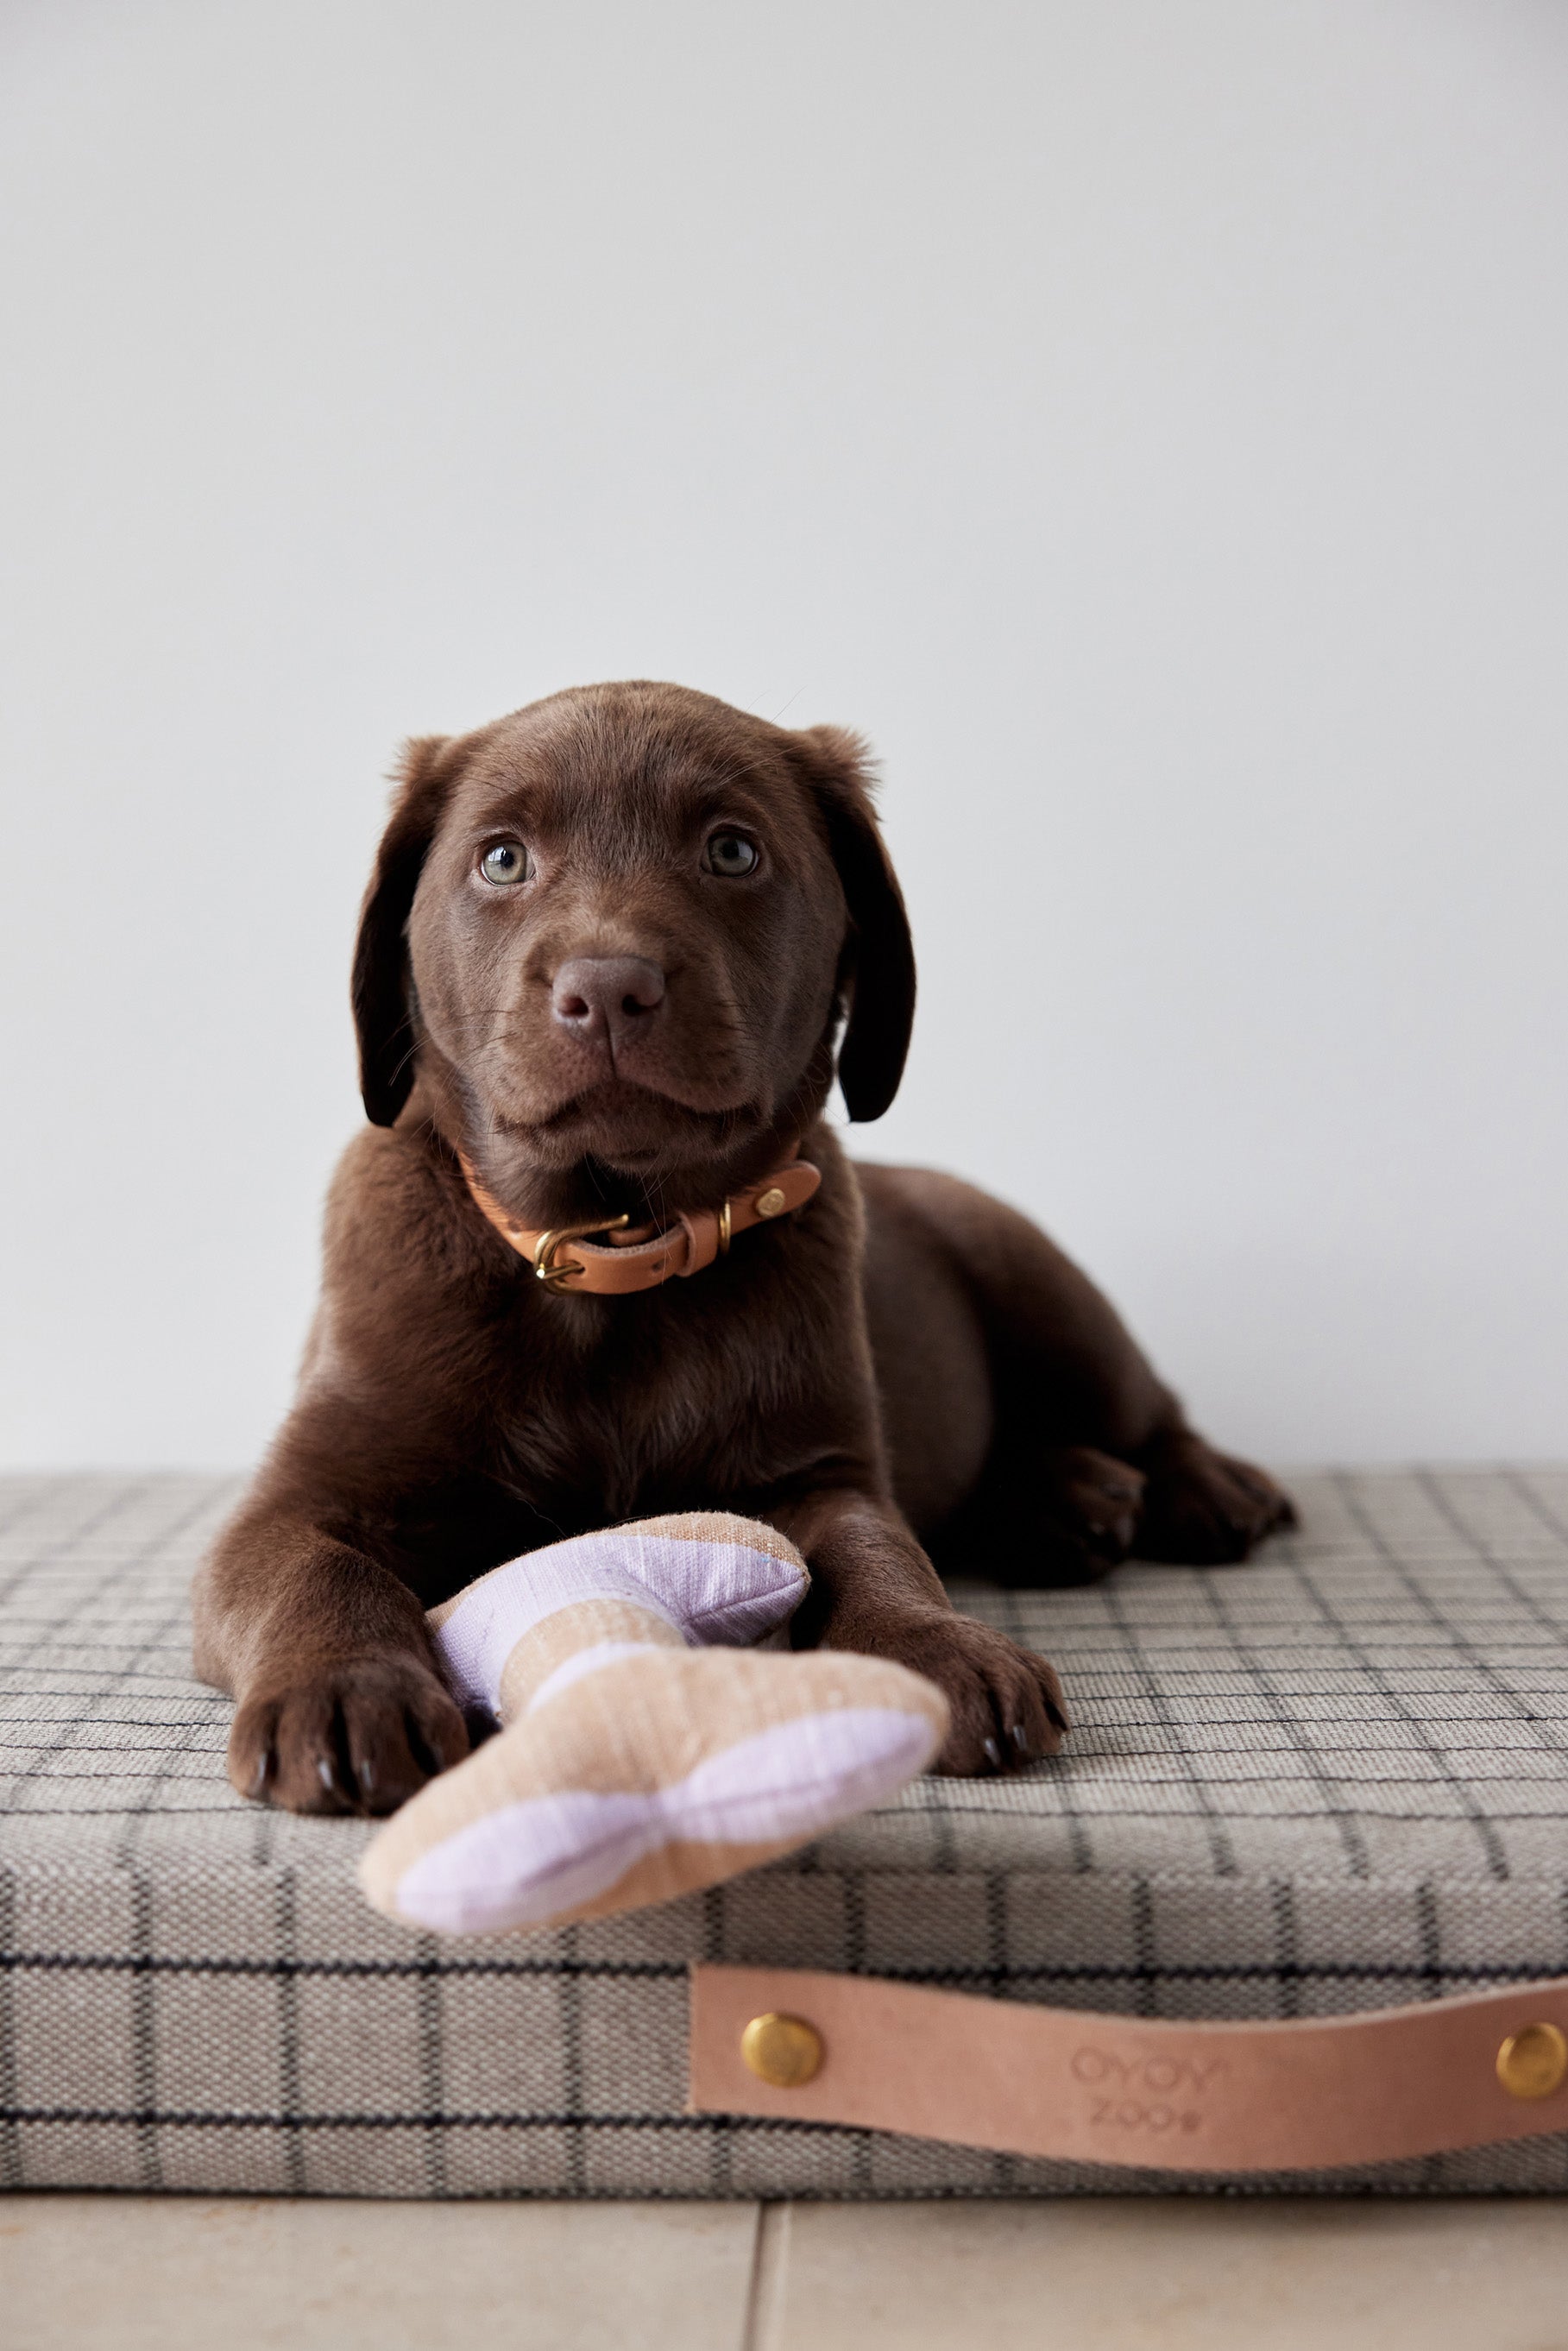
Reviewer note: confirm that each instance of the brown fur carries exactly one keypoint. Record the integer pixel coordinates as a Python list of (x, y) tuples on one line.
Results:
[(905, 1363)]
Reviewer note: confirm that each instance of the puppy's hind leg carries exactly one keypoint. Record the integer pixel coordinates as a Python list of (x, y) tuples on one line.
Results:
[(1203, 1508), (1092, 1458), (1044, 1516)]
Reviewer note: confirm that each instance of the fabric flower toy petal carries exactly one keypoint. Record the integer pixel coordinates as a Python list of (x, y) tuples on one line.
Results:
[(645, 1750)]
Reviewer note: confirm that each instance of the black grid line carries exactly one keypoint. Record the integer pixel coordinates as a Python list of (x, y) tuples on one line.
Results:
[(287, 1972), (1485, 1828), (145, 2036), (982, 1975), (1148, 1971), (1310, 1754), (1180, 1752), (1287, 1952), (1519, 1481), (11, 2170), (571, 2034), (1079, 1843), (720, 2147), (433, 2066)]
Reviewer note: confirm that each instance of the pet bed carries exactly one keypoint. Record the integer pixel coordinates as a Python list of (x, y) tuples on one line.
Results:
[(1333, 1783)]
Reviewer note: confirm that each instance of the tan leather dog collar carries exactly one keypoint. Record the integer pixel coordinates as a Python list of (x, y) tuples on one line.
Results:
[(641, 1257)]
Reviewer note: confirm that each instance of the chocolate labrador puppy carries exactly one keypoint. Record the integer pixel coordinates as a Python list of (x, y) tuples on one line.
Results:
[(603, 963)]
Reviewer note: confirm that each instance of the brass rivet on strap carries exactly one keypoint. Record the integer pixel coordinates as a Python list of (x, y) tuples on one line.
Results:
[(784, 2051), (769, 1203), (1534, 2062)]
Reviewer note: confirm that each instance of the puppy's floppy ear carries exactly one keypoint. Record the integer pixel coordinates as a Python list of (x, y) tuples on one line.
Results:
[(383, 1009), (877, 974)]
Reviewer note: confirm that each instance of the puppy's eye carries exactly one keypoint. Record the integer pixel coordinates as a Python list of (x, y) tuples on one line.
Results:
[(730, 855), (506, 860)]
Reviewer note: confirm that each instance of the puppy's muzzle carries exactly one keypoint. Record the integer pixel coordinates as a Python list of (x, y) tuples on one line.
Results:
[(609, 1000)]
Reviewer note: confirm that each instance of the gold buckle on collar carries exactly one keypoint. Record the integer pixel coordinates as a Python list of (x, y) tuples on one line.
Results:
[(555, 1277)]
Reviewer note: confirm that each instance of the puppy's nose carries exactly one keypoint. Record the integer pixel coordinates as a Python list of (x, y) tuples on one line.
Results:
[(610, 996)]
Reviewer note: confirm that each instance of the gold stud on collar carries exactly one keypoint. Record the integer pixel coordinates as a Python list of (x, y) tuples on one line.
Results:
[(783, 2050)]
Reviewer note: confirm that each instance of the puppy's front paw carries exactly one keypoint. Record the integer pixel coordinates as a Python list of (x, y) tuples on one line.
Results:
[(359, 1735), (1005, 1704), (1203, 1509)]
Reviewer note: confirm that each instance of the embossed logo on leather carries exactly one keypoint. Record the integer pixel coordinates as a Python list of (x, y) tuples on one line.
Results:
[(1144, 2094)]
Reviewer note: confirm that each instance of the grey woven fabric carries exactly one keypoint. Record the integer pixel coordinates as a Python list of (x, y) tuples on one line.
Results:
[(1333, 1780)]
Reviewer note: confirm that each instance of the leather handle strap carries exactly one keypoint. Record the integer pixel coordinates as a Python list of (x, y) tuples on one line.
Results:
[(641, 1258), (1083, 2087)]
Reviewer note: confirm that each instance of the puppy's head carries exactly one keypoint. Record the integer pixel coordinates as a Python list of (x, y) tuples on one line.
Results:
[(619, 929)]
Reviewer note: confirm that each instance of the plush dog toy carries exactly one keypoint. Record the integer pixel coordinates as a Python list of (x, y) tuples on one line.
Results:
[(647, 1747)]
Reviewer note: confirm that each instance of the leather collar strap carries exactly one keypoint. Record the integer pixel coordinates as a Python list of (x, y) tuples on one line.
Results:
[(640, 1257)]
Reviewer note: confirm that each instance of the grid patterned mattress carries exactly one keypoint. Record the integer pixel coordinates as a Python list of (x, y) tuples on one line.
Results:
[(1334, 1781)]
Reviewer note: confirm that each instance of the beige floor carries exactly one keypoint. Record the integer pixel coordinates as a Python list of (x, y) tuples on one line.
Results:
[(127, 2274)]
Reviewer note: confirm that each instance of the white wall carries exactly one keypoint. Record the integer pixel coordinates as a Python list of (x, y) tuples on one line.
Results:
[(1145, 417)]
